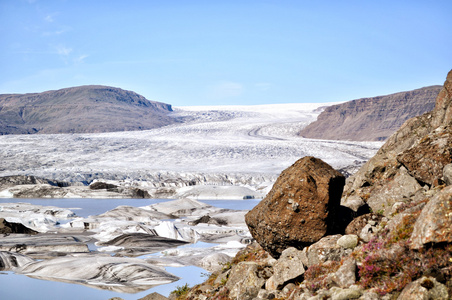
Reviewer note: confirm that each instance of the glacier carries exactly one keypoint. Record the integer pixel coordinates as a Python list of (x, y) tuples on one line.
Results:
[(210, 146)]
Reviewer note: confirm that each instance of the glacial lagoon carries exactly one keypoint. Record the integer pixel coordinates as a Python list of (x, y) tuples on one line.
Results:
[(13, 286)]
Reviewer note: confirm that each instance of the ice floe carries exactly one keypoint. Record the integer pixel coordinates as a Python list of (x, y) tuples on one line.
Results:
[(112, 273), (97, 251)]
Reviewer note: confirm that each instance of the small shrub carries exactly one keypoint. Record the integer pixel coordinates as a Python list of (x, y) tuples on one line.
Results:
[(212, 278), (316, 276), (254, 255), (403, 231), (387, 264), (410, 204), (226, 266), (222, 294), (387, 275), (224, 281), (181, 291)]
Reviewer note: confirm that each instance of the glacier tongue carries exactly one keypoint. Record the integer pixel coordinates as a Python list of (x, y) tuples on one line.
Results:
[(216, 146)]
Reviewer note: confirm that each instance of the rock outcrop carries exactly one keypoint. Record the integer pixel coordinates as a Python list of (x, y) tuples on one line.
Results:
[(80, 109), (402, 250), (10, 181), (371, 119), (153, 296), (434, 224), (413, 157), (22, 186), (299, 209), (11, 227), (426, 160)]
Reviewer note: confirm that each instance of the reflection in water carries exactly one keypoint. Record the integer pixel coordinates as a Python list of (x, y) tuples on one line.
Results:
[(13, 286), (119, 274), (19, 287)]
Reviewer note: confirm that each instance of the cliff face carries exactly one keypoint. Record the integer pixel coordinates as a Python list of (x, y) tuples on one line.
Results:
[(371, 119), (80, 109)]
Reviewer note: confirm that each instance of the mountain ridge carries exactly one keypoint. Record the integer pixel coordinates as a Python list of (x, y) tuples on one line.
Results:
[(372, 118), (81, 109)]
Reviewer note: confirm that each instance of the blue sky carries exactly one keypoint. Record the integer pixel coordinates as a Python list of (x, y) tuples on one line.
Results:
[(226, 52)]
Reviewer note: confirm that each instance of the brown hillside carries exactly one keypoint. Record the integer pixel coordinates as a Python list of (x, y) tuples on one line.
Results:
[(371, 119), (80, 110)]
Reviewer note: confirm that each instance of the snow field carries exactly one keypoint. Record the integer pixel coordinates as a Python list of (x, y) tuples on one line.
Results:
[(240, 140)]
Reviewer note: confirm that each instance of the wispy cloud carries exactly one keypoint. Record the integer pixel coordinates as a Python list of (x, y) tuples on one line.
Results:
[(49, 18), (53, 33), (63, 50), (80, 59)]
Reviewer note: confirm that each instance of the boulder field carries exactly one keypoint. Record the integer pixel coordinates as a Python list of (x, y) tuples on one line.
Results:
[(386, 234)]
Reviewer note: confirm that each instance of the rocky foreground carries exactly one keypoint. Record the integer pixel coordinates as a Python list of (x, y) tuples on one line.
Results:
[(384, 233), (388, 237)]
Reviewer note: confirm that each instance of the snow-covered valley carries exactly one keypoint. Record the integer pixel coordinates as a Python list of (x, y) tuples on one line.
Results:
[(245, 146)]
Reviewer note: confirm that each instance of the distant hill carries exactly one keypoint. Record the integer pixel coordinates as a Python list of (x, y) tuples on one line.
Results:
[(371, 119), (80, 110)]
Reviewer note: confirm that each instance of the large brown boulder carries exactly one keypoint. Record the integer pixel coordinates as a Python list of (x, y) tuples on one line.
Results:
[(299, 210)]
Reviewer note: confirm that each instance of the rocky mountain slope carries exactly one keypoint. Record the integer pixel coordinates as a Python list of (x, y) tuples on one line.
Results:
[(371, 119), (396, 243), (80, 109)]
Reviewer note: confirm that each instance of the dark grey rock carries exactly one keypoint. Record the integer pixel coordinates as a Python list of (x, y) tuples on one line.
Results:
[(11, 227)]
